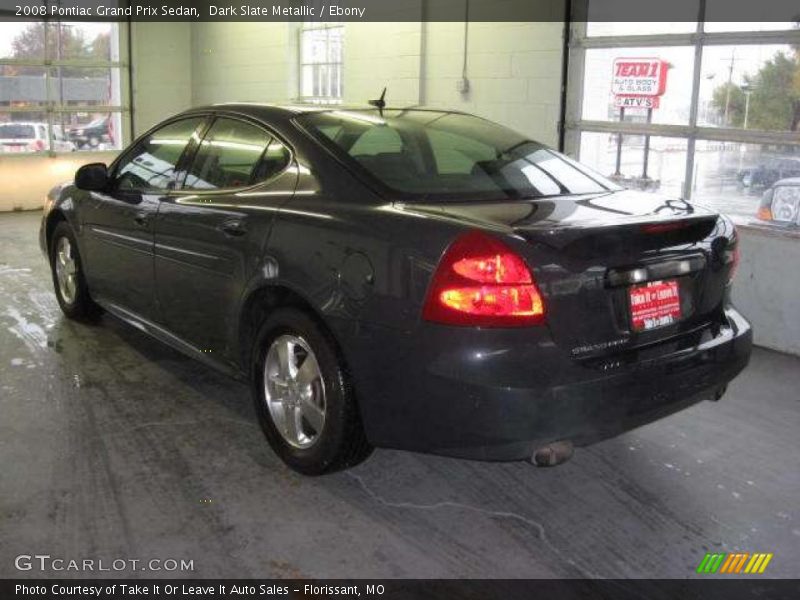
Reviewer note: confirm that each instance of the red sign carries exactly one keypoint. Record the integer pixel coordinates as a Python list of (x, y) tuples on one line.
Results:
[(655, 304), (637, 77)]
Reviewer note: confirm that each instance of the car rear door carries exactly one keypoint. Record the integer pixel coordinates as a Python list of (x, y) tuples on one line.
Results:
[(119, 223), (211, 233)]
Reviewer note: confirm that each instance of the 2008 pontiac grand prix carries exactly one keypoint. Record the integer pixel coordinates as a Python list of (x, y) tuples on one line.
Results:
[(412, 279)]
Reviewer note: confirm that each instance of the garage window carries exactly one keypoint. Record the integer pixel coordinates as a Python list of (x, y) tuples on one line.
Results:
[(710, 111), (65, 80), (321, 76)]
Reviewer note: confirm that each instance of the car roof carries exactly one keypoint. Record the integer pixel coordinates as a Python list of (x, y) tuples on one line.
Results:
[(286, 112), (788, 181)]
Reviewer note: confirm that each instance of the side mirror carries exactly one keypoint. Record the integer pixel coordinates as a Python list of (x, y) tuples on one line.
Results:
[(92, 177)]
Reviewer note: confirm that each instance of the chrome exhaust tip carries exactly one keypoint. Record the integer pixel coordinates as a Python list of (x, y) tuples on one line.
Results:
[(553, 454)]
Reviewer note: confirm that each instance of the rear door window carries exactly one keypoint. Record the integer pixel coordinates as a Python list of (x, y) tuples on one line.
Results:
[(230, 156)]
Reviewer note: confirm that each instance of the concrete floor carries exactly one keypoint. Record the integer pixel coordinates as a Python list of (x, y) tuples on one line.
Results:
[(113, 446)]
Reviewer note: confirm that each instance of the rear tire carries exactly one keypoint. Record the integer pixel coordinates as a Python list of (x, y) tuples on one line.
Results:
[(69, 282), (307, 409)]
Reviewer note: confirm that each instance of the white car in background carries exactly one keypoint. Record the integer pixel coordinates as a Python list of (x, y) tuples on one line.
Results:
[(32, 137)]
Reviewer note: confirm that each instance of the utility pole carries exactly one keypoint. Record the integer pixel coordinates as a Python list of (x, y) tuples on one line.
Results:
[(728, 87)]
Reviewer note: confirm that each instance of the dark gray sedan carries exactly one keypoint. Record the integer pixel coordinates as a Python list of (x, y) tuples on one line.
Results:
[(413, 279)]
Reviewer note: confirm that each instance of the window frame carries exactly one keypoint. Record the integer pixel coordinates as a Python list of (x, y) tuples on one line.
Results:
[(200, 130), (580, 42), (312, 26), (190, 154), (52, 108)]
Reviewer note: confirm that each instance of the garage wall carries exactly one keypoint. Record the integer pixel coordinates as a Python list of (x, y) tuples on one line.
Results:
[(161, 71), (248, 62), (765, 289), (383, 54), (514, 69), (27, 179), (514, 73)]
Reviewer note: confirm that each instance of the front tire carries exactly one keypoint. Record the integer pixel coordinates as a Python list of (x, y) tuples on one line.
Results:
[(71, 290), (303, 399)]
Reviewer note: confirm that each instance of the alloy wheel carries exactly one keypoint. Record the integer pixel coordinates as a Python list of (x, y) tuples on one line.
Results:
[(66, 270), (294, 391)]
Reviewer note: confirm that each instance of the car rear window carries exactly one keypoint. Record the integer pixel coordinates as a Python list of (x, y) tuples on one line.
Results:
[(12, 131), (429, 155)]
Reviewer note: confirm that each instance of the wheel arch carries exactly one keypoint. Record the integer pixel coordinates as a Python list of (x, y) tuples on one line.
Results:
[(260, 302), (55, 217)]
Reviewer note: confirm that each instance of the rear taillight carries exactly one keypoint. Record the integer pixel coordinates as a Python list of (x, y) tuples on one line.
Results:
[(37, 146), (482, 282)]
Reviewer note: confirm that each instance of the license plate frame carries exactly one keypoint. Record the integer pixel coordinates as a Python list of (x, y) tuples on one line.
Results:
[(654, 305)]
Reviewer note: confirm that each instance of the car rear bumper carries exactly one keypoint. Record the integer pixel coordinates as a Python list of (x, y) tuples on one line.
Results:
[(500, 397)]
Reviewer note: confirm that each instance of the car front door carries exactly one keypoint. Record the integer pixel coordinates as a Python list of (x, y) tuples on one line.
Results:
[(211, 232), (119, 223)]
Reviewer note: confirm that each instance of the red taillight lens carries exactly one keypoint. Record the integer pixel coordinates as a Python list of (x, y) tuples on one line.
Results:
[(482, 282), (37, 146)]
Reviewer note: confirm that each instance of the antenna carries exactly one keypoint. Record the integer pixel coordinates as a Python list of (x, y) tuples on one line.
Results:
[(380, 103)]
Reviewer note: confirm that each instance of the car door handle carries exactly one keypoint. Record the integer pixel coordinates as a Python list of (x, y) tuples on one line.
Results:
[(141, 219), (234, 227)]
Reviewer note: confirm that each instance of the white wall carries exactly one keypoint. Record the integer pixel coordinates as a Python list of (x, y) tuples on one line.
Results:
[(27, 179), (514, 73), (766, 288), (238, 61), (514, 69), (161, 71), (378, 55)]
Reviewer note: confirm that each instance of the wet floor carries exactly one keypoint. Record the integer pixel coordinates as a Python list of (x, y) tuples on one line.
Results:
[(114, 446)]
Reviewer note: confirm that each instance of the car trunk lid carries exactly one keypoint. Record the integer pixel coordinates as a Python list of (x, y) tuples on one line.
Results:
[(618, 270)]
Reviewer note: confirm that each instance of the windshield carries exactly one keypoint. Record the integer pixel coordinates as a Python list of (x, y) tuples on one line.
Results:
[(12, 131), (429, 155)]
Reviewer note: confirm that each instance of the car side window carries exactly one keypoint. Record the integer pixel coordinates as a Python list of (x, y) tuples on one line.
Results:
[(229, 156), (276, 158), (151, 164)]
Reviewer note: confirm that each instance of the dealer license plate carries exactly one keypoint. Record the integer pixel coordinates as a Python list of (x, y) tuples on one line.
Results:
[(655, 304)]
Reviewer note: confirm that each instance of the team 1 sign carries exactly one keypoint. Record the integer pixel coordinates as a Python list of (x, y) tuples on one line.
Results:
[(639, 77)]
